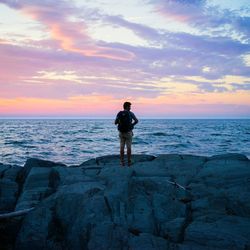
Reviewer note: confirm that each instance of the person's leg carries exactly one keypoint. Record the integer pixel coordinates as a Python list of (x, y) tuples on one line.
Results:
[(122, 146), (129, 153), (129, 147), (122, 155)]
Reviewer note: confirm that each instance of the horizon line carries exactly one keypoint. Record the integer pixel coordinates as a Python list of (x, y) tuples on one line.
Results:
[(111, 118)]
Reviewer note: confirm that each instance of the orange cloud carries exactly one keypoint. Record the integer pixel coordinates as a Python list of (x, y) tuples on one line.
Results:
[(72, 35)]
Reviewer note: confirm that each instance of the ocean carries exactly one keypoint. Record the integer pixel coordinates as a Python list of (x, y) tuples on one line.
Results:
[(73, 141)]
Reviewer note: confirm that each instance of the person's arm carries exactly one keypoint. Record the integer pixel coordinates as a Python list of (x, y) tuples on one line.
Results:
[(134, 119)]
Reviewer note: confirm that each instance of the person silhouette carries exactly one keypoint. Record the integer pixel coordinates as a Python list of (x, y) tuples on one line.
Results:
[(126, 121)]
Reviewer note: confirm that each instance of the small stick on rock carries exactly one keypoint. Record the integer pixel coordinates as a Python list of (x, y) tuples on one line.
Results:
[(15, 213), (177, 185)]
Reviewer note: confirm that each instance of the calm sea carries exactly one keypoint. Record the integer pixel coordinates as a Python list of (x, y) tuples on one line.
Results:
[(74, 141)]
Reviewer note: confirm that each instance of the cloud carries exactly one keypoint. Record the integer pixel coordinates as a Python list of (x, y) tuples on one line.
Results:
[(202, 15), (179, 10), (71, 35), (72, 64), (201, 43), (25, 72), (242, 24), (143, 31), (183, 53), (237, 86), (20, 67)]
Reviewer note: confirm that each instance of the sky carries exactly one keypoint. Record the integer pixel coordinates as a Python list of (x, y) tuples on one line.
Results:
[(83, 58)]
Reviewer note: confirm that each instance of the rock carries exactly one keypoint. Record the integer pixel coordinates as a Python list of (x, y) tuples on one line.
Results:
[(233, 156), (38, 180), (180, 168), (173, 229), (226, 232), (33, 162), (9, 191), (8, 197), (9, 187), (37, 186), (115, 160), (180, 202), (34, 232), (148, 241), (222, 187), (221, 207), (37, 163)]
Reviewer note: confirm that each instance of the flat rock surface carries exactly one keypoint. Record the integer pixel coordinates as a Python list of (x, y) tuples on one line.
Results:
[(161, 202)]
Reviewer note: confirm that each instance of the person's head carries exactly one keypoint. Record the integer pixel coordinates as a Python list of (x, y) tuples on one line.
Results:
[(127, 105)]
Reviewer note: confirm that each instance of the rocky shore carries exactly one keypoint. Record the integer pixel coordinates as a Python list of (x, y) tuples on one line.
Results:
[(167, 201)]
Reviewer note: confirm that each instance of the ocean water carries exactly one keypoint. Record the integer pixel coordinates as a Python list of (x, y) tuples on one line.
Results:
[(73, 141)]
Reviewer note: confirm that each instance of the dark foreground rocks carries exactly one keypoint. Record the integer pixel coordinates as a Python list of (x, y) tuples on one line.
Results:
[(165, 202)]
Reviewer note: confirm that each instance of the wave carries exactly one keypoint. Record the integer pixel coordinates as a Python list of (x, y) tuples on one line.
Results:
[(17, 143), (107, 139), (177, 145), (159, 134), (216, 134), (163, 134), (139, 141), (77, 140)]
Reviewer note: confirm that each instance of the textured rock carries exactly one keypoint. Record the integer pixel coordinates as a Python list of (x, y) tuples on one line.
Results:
[(38, 180), (9, 191), (100, 205), (9, 187), (221, 205)]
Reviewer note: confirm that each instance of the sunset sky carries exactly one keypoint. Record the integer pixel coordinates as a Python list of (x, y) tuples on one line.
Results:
[(83, 58)]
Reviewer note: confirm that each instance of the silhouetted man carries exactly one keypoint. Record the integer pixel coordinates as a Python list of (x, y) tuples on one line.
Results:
[(126, 121)]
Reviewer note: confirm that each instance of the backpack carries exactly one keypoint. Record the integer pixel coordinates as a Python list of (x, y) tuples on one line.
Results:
[(125, 121)]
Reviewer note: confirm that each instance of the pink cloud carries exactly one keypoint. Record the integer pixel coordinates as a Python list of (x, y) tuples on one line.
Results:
[(20, 67), (71, 35)]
